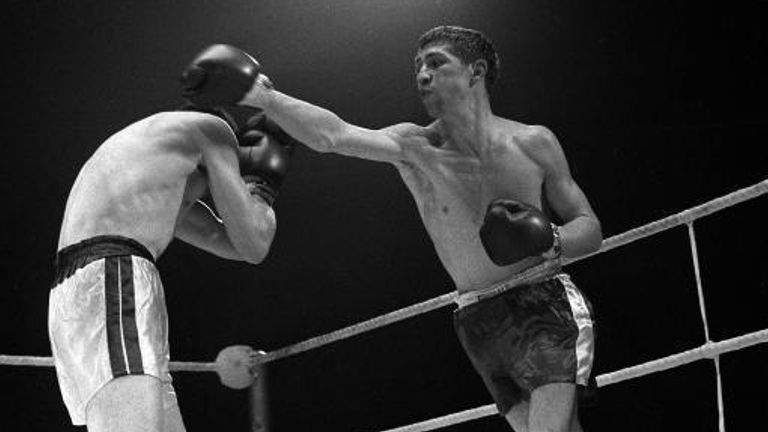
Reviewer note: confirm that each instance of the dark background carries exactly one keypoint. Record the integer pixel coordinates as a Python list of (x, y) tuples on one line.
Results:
[(659, 107)]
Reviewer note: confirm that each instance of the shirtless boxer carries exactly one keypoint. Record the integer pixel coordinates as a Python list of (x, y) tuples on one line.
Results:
[(488, 190), (140, 189)]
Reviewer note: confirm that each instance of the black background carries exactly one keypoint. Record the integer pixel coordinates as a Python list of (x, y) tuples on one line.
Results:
[(658, 105)]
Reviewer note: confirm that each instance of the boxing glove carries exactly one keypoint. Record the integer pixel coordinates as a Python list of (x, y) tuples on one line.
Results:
[(513, 230), (264, 153), (219, 75)]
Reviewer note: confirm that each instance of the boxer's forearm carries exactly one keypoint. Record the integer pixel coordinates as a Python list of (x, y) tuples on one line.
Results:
[(580, 236), (202, 228), (316, 127)]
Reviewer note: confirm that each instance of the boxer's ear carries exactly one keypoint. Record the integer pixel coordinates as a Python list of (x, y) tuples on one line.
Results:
[(479, 69)]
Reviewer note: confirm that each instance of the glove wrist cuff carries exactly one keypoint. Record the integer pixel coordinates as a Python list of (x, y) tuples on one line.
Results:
[(556, 251), (260, 188)]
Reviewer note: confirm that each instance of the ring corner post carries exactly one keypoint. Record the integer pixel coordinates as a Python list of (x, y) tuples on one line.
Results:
[(259, 401)]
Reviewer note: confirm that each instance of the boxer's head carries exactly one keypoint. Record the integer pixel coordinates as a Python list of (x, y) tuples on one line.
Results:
[(470, 46)]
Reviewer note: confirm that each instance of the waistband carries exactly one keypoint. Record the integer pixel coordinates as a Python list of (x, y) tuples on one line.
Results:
[(540, 273), (78, 255)]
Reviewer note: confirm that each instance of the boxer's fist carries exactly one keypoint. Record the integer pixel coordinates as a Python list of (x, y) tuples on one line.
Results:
[(264, 154), (513, 230), (219, 75)]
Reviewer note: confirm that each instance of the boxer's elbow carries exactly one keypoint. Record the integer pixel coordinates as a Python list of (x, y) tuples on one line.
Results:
[(582, 238), (256, 247), (254, 252), (254, 258), (595, 238)]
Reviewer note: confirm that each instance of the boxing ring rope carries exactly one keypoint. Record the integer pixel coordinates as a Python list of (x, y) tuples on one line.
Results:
[(12, 360), (709, 349), (684, 217)]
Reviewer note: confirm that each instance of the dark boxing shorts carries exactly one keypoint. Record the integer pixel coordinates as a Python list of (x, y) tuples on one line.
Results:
[(528, 336)]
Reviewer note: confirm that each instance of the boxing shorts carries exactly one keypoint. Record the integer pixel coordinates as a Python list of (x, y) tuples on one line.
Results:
[(107, 318), (528, 336)]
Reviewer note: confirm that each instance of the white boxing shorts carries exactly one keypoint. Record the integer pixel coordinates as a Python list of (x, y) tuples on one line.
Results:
[(107, 318)]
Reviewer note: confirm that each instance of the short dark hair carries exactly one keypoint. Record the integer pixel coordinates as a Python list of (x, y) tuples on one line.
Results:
[(466, 44)]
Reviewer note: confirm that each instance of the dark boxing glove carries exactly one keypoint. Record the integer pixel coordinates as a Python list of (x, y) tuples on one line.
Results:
[(513, 230), (265, 151), (219, 75)]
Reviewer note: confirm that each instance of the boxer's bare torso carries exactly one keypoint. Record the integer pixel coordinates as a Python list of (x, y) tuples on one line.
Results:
[(452, 188), (138, 183)]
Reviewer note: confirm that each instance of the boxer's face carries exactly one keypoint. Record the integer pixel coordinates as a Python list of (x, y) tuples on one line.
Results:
[(441, 77)]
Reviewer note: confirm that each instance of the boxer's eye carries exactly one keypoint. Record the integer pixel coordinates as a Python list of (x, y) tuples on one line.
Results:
[(435, 63)]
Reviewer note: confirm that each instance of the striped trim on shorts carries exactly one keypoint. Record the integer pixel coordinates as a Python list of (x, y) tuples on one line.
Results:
[(122, 334)]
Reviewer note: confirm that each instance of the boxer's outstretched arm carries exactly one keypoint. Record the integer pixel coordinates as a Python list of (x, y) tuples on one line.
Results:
[(324, 131), (223, 75)]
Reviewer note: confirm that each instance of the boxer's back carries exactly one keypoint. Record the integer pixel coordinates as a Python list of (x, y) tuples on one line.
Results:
[(134, 183)]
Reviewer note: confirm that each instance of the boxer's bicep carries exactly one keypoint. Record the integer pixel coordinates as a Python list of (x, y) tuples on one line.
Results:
[(381, 145)]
